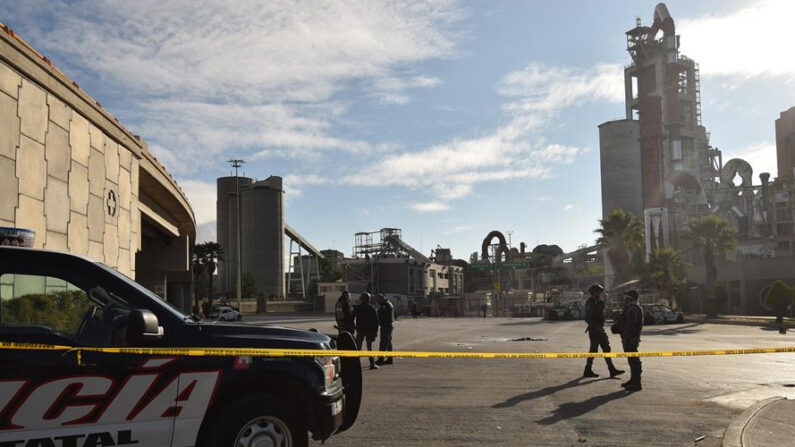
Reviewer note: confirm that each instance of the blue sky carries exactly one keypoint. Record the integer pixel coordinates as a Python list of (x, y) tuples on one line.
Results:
[(446, 119)]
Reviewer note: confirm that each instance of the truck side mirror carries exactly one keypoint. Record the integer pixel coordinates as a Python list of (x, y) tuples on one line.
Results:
[(143, 328)]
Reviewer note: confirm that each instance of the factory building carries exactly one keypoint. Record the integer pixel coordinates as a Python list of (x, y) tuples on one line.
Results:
[(659, 165), (383, 262), (74, 175)]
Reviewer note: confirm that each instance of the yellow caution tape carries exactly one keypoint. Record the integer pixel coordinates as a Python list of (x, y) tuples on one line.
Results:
[(260, 352)]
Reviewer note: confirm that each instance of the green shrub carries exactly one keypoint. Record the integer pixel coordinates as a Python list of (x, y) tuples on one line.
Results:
[(779, 297)]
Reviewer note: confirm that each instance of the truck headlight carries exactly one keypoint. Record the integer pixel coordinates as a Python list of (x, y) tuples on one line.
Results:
[(330, 367)]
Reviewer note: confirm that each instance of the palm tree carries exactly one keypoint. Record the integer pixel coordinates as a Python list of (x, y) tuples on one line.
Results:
[(668, 268), (214, 252), (199, 254), (715, 234), (621, 236), (205, 257)]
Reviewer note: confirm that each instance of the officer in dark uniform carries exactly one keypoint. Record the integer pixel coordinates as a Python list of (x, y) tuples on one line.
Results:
[(595, 317), (386, 315), (344, 313), (365, 319), (631, 324)]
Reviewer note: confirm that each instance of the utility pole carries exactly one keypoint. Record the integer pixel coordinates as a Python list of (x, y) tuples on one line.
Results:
[(237, 163)]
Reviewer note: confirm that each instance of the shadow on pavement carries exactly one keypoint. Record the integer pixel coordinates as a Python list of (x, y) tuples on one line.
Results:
[(690, 328), (570, 410), (579, 381)]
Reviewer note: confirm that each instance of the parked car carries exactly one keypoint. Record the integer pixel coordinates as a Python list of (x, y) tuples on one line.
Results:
[(567, 311), (225, 313), (660, 314)]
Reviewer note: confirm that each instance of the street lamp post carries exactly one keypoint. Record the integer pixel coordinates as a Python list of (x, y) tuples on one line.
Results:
[(237, 163)]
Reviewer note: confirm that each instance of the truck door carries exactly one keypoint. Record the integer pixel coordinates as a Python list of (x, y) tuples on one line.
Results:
[(60, 397)]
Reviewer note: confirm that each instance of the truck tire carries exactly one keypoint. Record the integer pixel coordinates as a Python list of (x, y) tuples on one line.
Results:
[(254, 418)]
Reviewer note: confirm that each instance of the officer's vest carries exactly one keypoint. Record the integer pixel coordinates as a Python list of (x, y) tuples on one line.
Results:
[(342, 316)]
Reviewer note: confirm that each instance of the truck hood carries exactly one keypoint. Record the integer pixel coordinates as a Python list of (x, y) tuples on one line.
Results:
[(245, 336)]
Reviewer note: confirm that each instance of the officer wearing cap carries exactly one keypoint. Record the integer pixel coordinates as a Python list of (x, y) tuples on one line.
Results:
[(386, 315), (630, 325), (344, 313), (595, 317), (366, 321)]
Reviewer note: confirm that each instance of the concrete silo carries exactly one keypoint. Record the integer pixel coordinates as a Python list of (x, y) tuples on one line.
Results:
[(620, 159), (226, 228), (263, 225)]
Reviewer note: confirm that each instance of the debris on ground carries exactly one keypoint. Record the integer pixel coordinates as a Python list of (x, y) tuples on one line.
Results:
[(529, 339)]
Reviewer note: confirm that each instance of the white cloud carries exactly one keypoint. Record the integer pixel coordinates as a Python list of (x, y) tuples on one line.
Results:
[(259, 78), (535, 95), (543, 88), (429, 207), (754, 40), (254, 52), (206, 232), (388, 89), (447, 191), (458, 229), (264, 131), (202, 198), (293, 183)]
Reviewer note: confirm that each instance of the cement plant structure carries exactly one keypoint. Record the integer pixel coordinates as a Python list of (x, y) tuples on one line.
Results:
[(383, 262), (659, 165)]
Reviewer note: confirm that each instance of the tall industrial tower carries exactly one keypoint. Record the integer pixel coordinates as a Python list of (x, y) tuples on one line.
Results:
[(661, 144)]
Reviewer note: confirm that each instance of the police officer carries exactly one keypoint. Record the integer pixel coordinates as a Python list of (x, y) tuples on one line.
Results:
[(344, 313), (365, 319), (631, 325), (386, 314), (595, 317)]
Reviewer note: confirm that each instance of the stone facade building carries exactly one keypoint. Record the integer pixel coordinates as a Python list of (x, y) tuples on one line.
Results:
[(73, 174)]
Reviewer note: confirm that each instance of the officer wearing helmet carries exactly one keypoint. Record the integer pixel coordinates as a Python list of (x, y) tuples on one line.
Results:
[(630, 325), (595, 317), (366, 321), (386, 316)]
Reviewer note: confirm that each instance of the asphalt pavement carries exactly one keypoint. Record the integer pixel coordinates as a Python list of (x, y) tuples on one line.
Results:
[(685, 400)]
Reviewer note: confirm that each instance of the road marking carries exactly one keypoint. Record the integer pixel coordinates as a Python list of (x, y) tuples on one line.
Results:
[(260, 352)]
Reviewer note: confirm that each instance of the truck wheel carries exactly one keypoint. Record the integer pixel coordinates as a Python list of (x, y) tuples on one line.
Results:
[(259, 420)]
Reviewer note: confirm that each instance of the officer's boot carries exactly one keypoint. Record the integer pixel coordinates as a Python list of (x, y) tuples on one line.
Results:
[(631, 378), (372, 364), (388, 361), (634, 381), (588, 369), (613, 370)]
